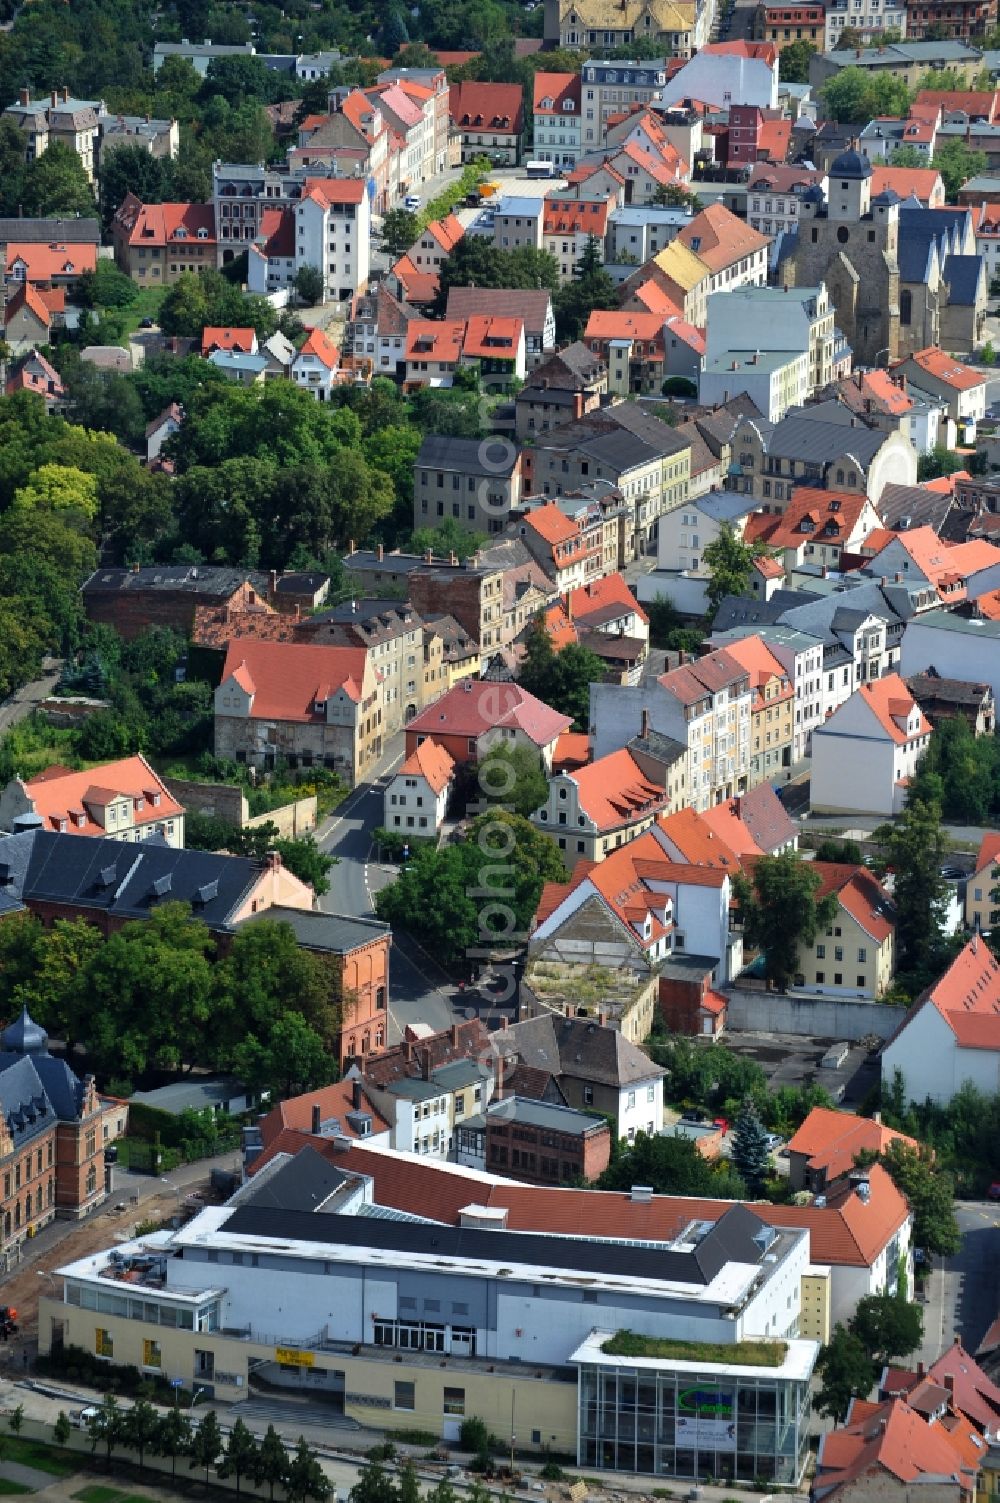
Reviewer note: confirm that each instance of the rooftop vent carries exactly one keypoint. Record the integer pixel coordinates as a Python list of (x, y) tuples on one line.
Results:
[(642, 1194)]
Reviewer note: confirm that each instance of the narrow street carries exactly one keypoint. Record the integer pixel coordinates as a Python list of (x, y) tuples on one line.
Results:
[(964, 1291)]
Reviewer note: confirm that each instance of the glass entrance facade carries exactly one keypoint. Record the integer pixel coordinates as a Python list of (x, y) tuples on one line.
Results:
[(683, 1424)]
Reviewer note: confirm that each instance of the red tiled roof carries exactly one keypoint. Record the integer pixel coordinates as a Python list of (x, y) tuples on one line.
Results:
[(572, 751), (277, 230), (974, 102), (430, 762), (810, 516), (288, 679), (43, 262), (447, 231), (890, 702), (975, 1395), (989, 851), (706, 676), (295, 1114), (918, 181), (967, 997), (832, 1140), (846, 1231), (58, 794), (30, 297), (435, 339), (722, 238), (893, 1439), (599, 595), (859, 893), (564, 216), (619, 324), (334, 190), (614, 791), (724, 821), (944, 368), (478, 705), (243, 340), (697, 840), (552, 525), (490, 337), (557, 87), (487, 107), (167, 224), (322, 346)]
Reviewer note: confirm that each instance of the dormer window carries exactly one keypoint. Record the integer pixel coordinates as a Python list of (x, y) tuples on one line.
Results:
[(320, 706)]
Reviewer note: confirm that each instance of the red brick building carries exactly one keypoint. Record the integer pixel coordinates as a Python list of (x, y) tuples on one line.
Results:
[(167, 595), (51, 1138), (539, 1143)]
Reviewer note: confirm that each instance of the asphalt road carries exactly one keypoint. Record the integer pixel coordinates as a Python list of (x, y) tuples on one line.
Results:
[(419, 991), (30, 696), (964, 1294)]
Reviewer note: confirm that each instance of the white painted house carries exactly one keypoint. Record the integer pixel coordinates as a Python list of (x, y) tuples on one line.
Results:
[(316, 365), (951, 1037), (333, 233), (865, 753), (416, 797)]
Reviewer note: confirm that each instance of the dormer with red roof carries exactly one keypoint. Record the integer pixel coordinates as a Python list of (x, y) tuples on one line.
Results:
[(891, 1450), (125, 799), (490, 119), (951, 1036), (597, 808), (868, 749), (242, 341)]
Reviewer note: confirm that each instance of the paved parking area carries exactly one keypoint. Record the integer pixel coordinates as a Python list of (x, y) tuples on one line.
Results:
[(792, 1060)]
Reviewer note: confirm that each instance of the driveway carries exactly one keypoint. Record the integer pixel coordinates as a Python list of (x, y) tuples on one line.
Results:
[(30, 696), (964, 1291)]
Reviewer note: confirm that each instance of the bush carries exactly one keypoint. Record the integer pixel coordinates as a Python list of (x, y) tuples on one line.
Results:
[(77, 1365), (552, 1472), (474, 1436)]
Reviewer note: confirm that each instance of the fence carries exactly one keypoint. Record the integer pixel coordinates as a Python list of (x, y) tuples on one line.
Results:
[(815, 1017)]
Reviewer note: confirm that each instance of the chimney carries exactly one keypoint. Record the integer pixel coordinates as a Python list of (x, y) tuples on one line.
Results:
[(380, 553), (315, 1119), (135, 568), (54, 99), (453, 559), (569, 605), (644, 723), (602, 1018), (425, 1064), (454, 1035), (350, 546), (274, 581), (949, 1381), (356, 1095), (504, 1025), (920, 1369), (408, 1050), (899, 579), (65, 94), (682, 658), (25, 96), (428, 557), (877, 1118)]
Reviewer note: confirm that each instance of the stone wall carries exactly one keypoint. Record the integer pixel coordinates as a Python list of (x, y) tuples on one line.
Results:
[(816, 1017), (230, 803)]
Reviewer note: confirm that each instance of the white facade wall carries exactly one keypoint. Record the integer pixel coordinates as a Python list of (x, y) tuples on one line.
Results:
[(640, 1108), (410, 804), (972, 654), (927, 1055)]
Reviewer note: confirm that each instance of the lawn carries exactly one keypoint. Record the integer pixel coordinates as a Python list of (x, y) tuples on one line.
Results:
[(13, 1489), (740, 1353), (146, 305), (37, 1454), (98, 1493)]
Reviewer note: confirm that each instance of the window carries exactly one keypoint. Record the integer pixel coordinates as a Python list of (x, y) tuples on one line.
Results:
[(104, 1344), (454, 1401), (151, 1354), (821, 952), (862, 955), (631, 1099), (588, 1095), (820, 977), (405, 1396)]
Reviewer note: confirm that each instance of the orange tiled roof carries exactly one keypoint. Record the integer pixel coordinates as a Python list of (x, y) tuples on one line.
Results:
[(891, 702), (697, 840), (43, 262), (435, 339), (972, 101), (557, 87), (552, 525), (243, 340), (832, 1140), (447, 231), (322, 346), (844, 1232), (289, 679), (478, 705), (489, 337), (62, 796), (989, 851), (725, 822), (722, 238), (919, 181), (614, 791), (432, 763), (651, 295), (895, 1440), (967, 997), (812, 516), (167, 224), (572, 751), (618, 324), (562, 216), (951, 372), (487, 106), (295, 1114), (610, 590)]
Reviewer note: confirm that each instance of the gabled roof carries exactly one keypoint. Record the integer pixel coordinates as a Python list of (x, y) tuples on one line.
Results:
[(920, 182), (30, 298), (989, 851), (719, 239), (487, 107), (614, 791), (242, 340), (532, 306), (60, 795), (698, 840), (558, 87), (812, 516), (617, 323), (576, 1047), (610, 591), (435, 339), (704, 677), (892, 1440), (478, 705), (169, 224), (320, 345), (891, 702), (289, 679), (967, 998), (565, 216), (447, 232), (953, 373), (43, 262), (488, 336), (334, 1102), (430, 762), (551, 524), (973, 1393), (726, 823), (832, 1140)]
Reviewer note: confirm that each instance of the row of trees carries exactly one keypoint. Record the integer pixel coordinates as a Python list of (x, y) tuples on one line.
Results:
[(158, 996), (146, 1431)]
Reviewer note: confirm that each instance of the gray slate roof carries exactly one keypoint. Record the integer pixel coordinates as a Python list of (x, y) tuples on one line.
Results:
[(335, 932), (487, 458), (574, 1046), (195, 579)]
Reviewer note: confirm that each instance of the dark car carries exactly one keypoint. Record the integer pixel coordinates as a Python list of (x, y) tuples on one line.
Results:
[(147, 323)]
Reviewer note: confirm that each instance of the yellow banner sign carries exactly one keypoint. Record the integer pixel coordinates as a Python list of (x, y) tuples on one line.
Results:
[(288, 1356)]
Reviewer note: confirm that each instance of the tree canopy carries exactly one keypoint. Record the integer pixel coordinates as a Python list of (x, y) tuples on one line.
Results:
[(561, 679), (782, 911)]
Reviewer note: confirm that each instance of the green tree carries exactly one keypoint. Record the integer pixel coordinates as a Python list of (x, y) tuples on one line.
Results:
[(730, 562), (400, 230), (514, 777), (57, 487), (672, 1166), (782, 912), (590, 288), (56, 183), (309, 285), (15, 1419), (750, 1156), (846, 1372), (240, 1457), (106, 286), (132, 169), (907, 156), (447, 538), (930, 1192), (173, 1437), (272, 1461), (938, 461), (292, 1060), (561, 679), (306, 1478), (794, 63), (888, 1326), (915, 847), (206, 1443), (956, 163), (676, 196), (140, 1428), (107, 1426), (859, 94), (840, 852), (62, 1429), (374, 1485)]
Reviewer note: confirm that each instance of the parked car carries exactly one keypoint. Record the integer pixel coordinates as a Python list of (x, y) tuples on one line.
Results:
[(773, 1141), (81, 1418), (411, 202), (694, 1114), (147, 323), (993, 1193), (953, 873)]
